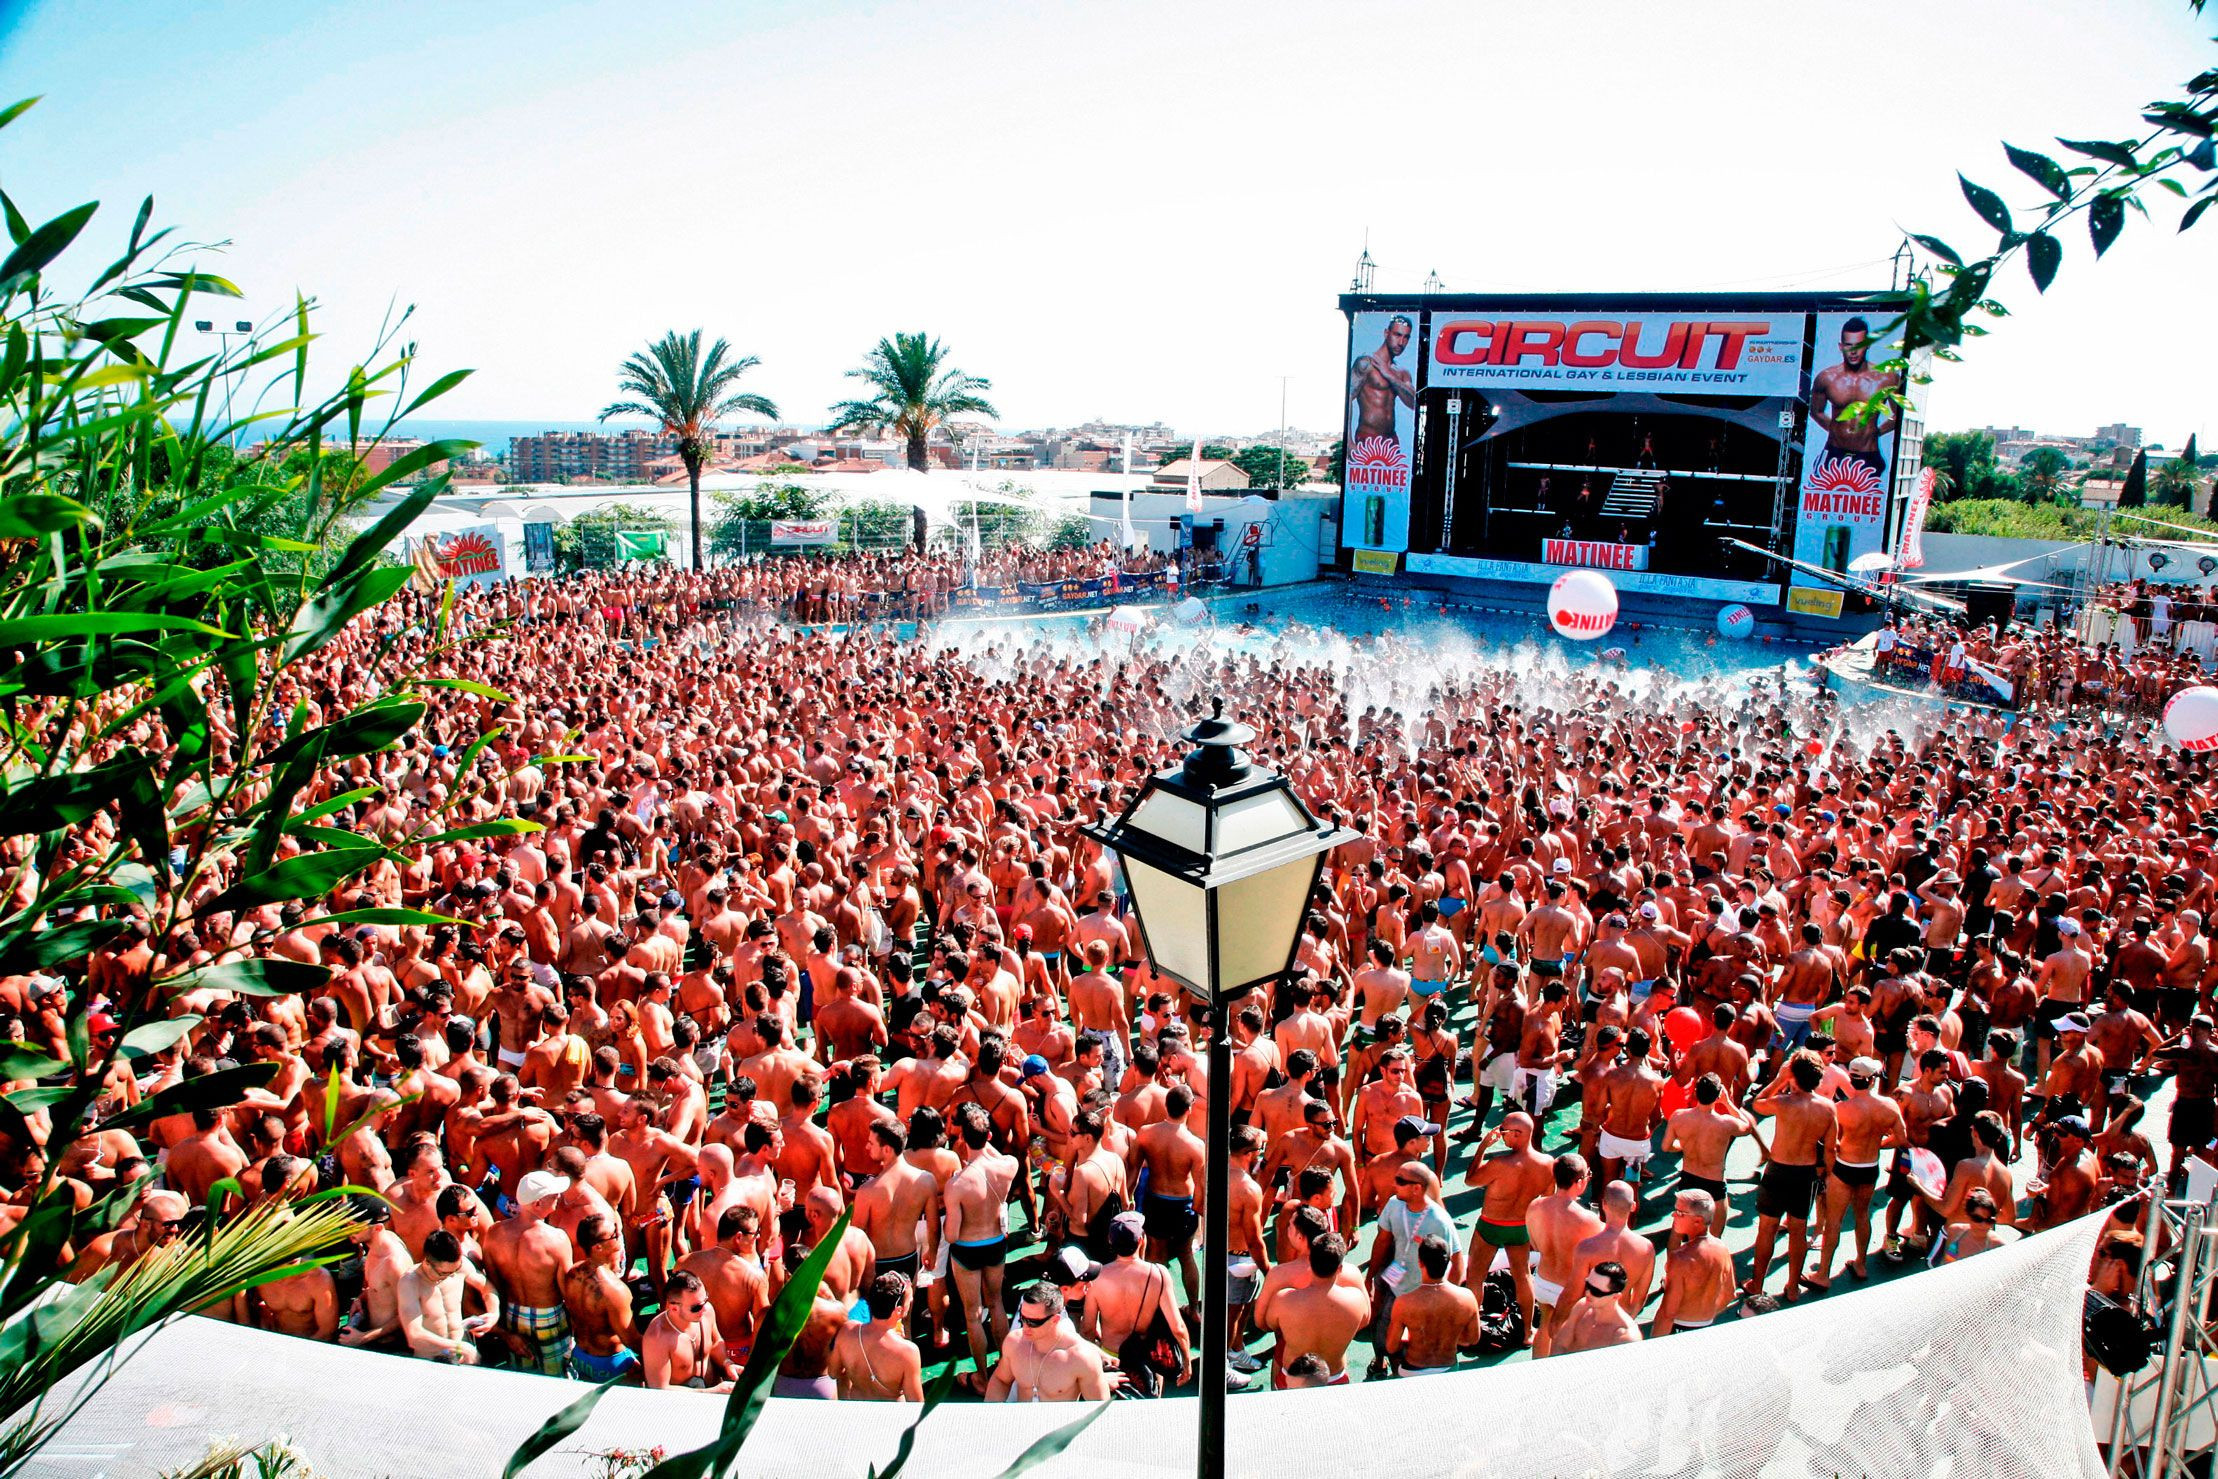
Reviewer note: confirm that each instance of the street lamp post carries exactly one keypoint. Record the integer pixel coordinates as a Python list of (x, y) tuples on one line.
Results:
[(1220, 857)]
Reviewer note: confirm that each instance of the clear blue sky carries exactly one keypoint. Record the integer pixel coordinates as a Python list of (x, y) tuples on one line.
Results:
[(1131, 209)]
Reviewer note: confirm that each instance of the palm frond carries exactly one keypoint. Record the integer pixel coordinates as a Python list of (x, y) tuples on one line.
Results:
[(79, 1323)]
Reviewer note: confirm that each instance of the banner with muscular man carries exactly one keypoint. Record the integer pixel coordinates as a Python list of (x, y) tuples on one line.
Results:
[(1381, 432), (1845, 463)]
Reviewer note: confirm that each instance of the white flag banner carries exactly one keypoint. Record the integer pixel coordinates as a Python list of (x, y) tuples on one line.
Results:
[(1193, 479)]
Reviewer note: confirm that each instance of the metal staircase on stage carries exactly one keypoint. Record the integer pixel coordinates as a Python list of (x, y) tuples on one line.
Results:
[(1633, 495)]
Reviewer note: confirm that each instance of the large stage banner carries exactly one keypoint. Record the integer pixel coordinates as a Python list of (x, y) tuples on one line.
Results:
[(1910, 543), (1845, 463), (1750, 354), (1594, 552), (1381, 432)]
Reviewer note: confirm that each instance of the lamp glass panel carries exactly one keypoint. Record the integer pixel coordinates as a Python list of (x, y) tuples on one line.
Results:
[(1175, 915), (1258, 919), (1267, 816), (1172, 817)]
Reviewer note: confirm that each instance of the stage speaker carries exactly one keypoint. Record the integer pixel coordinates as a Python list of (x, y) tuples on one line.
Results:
[(1987, 602)]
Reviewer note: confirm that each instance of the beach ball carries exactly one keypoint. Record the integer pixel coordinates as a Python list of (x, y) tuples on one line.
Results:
[(1683, 1025), (1582, 605), (2191, 718), (1736, 621)]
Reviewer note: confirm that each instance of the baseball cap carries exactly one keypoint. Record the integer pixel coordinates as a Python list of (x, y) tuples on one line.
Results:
[(2072, 1023), (1648, 910), (1034, 1065), (2072, 1124), (2201, 1019), (1865, 1068), (540, 1184), (1131, 1222), (369, 1208), (1021, 932), (1563, 865), (2066, 926), (1070, 1265), (1415, 1126)]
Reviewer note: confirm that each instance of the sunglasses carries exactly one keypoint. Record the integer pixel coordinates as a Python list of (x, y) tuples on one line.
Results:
[(1404, 1181), (1033, 1322), (696, 1308)]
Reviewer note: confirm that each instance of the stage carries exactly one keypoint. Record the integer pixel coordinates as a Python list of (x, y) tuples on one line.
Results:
[(1496, 441)]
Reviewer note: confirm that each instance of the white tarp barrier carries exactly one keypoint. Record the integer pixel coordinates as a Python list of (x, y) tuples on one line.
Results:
[(1973, 1369)]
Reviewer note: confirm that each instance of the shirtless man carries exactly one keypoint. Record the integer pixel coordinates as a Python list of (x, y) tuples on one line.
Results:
[(1559, 1223), (1379, 387), (605, 1339), (1870, 1126), (1512, 1180), (430, 1296), (385, 1262), (1175, 1156), (1632, 1107), (682, 1347), (526, 1256), (976, 1205), (1596, 1316), (894, 1204), (1698, 1272), (1837, 387), (1616, 1242), (1800, 1149), (731, 1273), (1044, 1359), (1433, 1321), (1128, 1296), (875, 1361), (1320, 1318), (1703, 1133)]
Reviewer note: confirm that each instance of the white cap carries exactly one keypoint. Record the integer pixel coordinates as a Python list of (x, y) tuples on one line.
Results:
[(1648, 910), (2066, 926), (539, 1184), (1563, 865)]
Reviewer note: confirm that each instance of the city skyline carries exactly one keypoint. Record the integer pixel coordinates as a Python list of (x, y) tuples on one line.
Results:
[(1175, 267)]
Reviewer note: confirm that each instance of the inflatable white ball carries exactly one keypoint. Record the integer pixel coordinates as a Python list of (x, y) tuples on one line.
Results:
[(1736, 621), (2191, 718), (1582, 605)]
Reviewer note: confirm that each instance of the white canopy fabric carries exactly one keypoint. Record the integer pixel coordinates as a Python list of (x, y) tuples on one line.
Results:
[(1971, 1369)]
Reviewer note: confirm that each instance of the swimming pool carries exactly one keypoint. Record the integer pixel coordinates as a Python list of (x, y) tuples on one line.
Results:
[(1315, 622)]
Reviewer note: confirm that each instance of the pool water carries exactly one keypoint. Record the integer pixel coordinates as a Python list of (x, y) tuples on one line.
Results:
[(1316, 622)]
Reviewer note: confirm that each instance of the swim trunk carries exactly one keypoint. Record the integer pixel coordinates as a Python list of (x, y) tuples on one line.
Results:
[(2193, 1122), (1426, 1370), (1168, 1219), (1785, 1192), (1500, 1072), (1688, 1181), (586, 1366), (1794, 1024), (1427, 988), (1451, 906), (984, 1254), (1624, 1148), (509, 1059), (1851, 1173), (905, 1264), (821, 1388), (1545, 967), (1502, 1234), (1679, 1325), (1239, 1288), (1545, 1292), (548, 1328)]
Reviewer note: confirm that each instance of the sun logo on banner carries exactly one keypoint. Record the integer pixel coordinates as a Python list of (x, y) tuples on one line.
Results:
[(469, 554), (1844, 475), (1378, 462)]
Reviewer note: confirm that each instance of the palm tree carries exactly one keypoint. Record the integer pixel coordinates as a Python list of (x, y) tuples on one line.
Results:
[(687, 393), (916, 390)]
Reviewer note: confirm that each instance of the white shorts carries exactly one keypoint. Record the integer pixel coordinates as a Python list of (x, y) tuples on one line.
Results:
[(1544, 1081), (1500, 1073), (1619, 1148), (1546, 1292)]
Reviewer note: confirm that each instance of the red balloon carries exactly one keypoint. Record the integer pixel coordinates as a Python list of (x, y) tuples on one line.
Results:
[(1815, 747), (1686, 726), (1676, 1096), (1683, 1025)]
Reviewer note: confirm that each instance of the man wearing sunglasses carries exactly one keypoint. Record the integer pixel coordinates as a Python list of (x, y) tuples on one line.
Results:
[(1044, 1359), (682, 1347), (1599, 1318)]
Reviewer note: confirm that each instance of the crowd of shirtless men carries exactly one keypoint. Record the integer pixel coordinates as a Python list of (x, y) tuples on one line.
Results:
[(810, 931)]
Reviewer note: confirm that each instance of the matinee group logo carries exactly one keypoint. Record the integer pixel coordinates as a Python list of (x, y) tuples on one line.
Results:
[(469, 554), (1845, 488), (1378, 462)]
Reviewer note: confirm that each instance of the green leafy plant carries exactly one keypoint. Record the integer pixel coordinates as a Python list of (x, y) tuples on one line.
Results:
[(166, 581), (914, 392), (588, 541), (2106, 183)]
